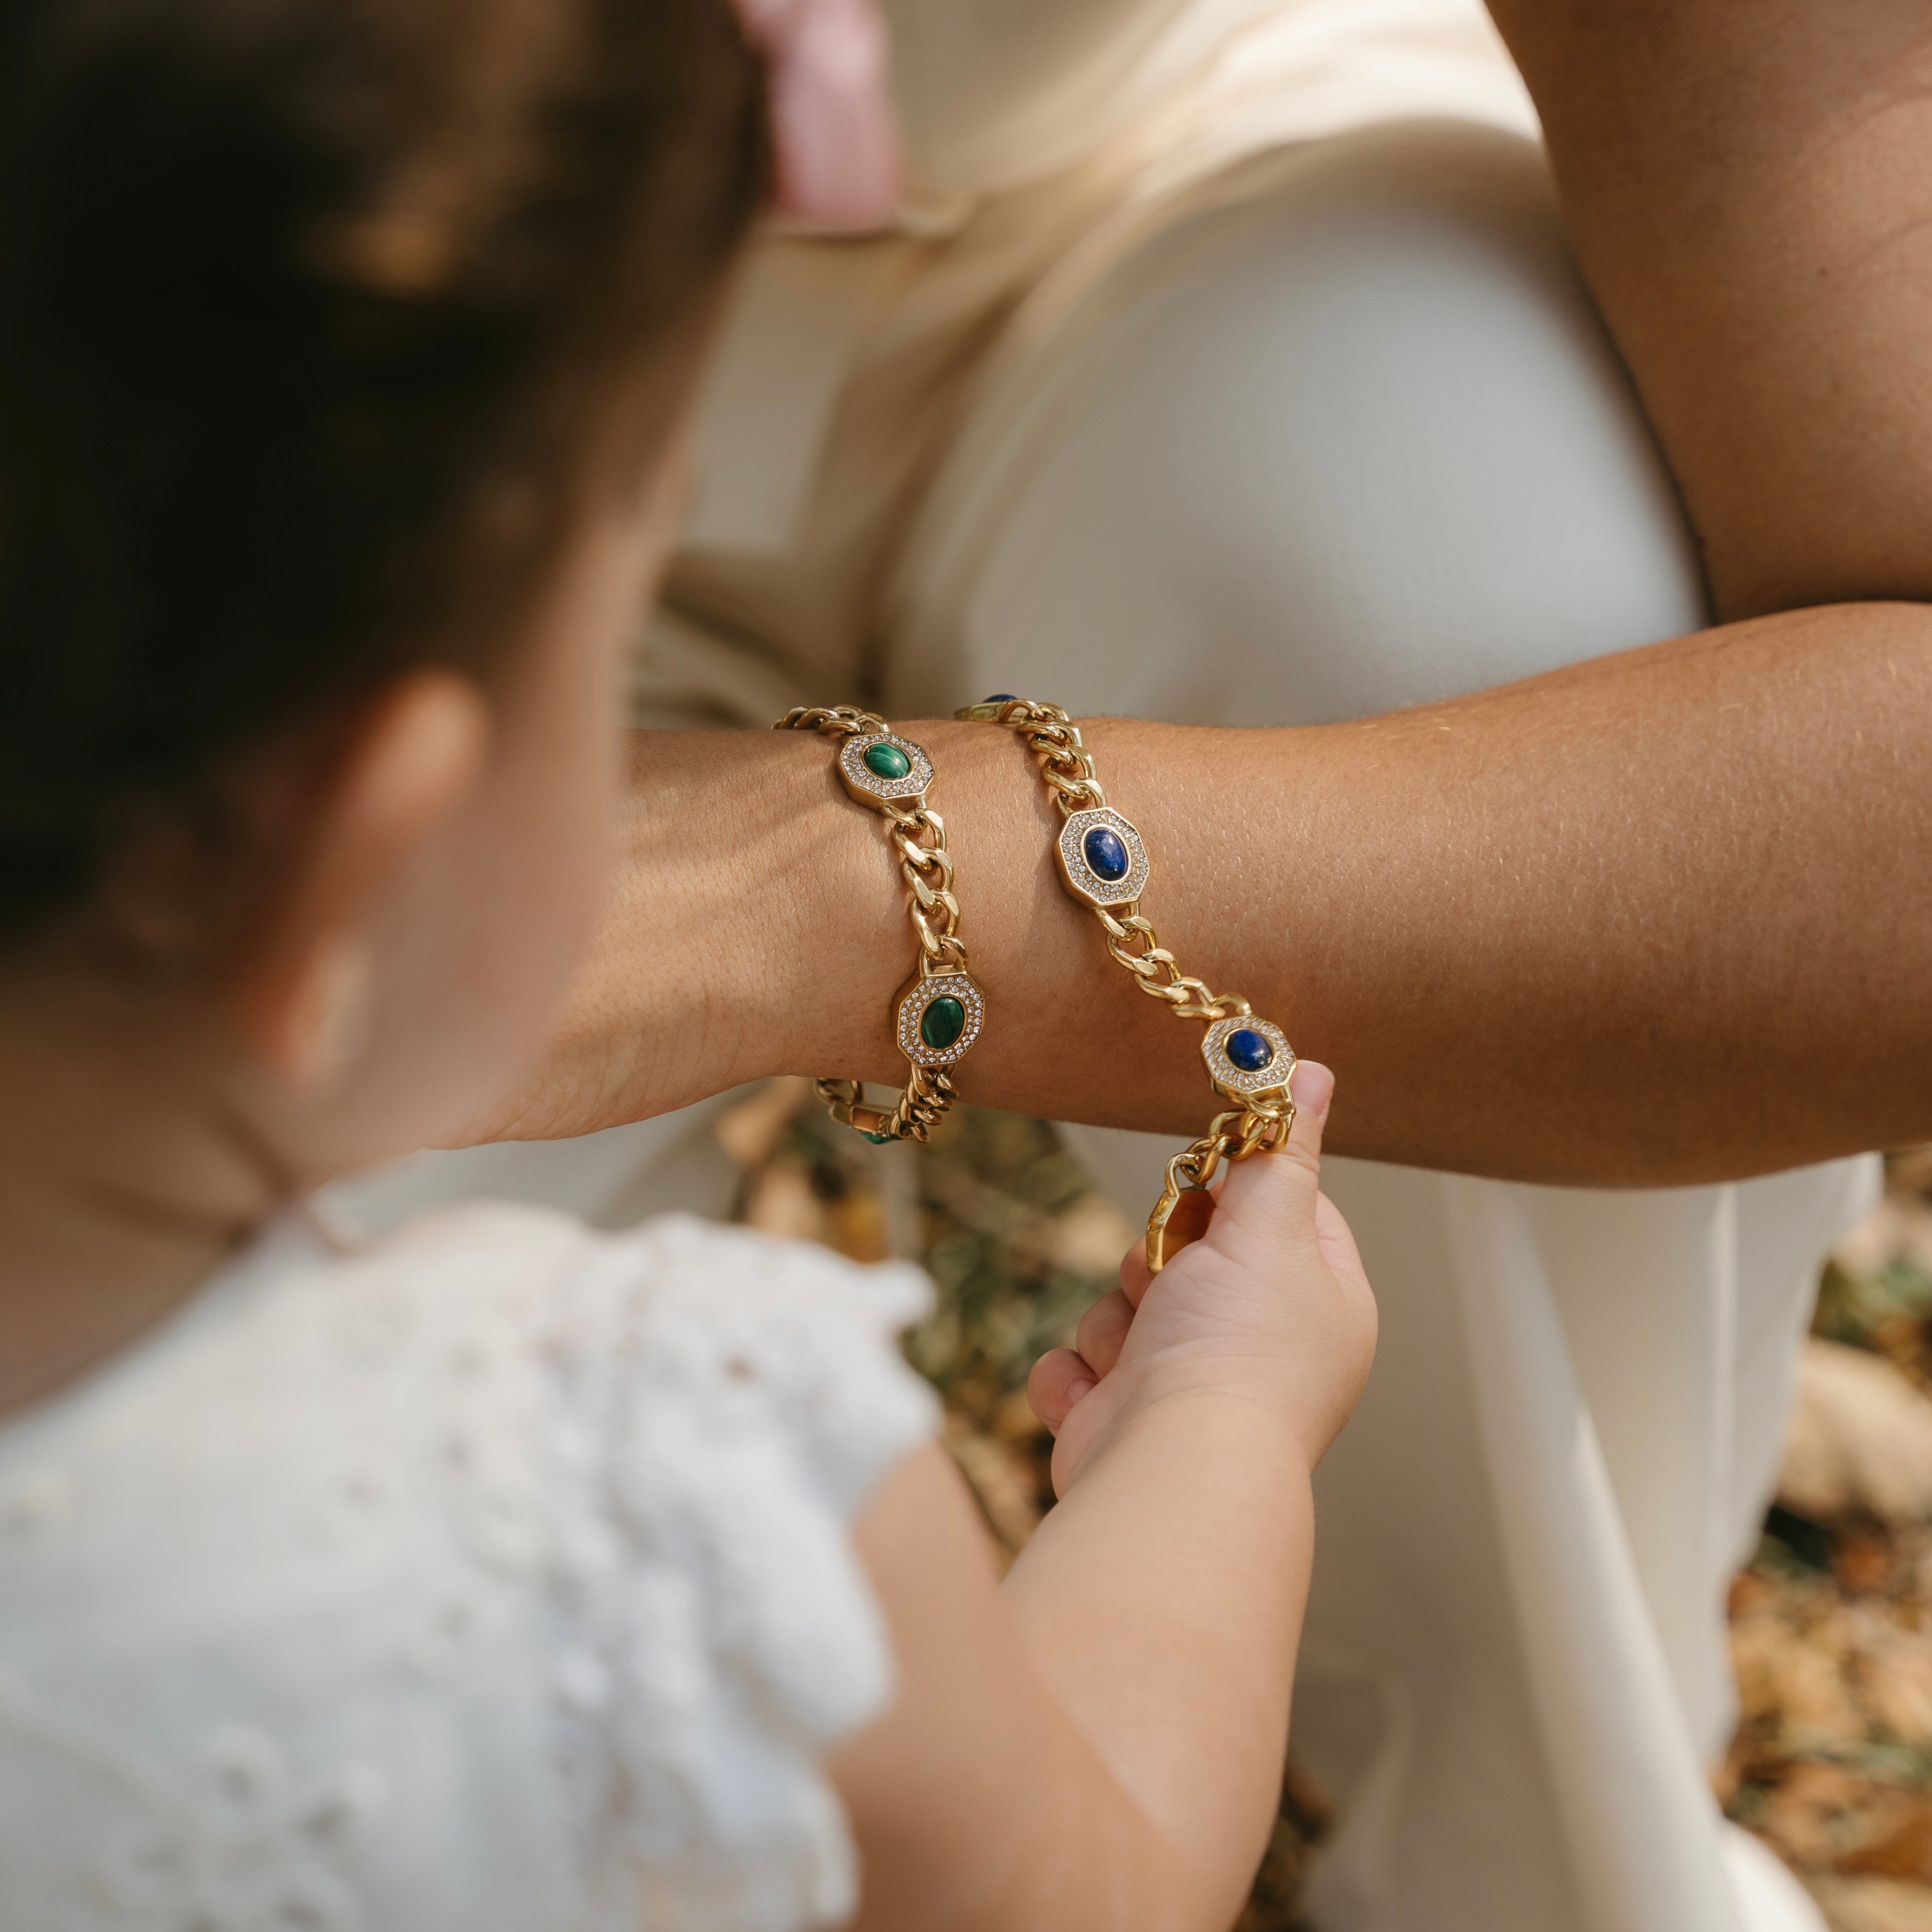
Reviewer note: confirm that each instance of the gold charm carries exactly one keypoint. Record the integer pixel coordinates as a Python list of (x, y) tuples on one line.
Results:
[(1103, 858), (1249, 1059), (937, 1015), (881, 768)]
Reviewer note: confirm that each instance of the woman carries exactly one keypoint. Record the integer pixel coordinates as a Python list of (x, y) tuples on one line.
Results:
[(1264, 428)]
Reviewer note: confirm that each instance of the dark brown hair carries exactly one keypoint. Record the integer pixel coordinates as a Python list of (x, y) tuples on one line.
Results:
[(314, 317)]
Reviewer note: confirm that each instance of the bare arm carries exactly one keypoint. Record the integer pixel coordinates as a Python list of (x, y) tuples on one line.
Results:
[(1664, 917), (1605, 926), (1097, 1745)]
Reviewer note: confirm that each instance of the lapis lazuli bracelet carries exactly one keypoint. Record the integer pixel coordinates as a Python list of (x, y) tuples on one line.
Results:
[(1103, 864)]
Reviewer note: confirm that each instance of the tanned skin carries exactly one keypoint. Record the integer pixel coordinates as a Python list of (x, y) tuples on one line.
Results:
[(1662, 917)]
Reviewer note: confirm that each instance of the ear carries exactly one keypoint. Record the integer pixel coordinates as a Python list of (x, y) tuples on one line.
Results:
[(300, 989)]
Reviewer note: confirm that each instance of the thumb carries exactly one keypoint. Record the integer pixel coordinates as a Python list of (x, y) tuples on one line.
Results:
[(1270, 1198)]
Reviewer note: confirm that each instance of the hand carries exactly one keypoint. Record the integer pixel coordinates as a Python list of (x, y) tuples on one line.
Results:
[(1270, 1304)]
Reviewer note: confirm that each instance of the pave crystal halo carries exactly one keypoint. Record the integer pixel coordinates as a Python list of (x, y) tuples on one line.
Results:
[(1262, 1062), (1102, 857), (948, 1009), (881, 767)]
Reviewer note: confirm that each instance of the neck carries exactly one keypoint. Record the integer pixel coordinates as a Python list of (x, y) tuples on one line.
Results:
[(126, 1175)]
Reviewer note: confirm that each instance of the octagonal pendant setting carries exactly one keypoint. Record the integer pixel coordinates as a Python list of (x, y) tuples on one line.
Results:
[(938, 1019), (1102, 857), (884, 770), (1246, 1056)]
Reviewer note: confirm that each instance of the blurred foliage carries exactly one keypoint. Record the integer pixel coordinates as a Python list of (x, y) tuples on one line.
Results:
[(1831, 1626), (1005, 1208)]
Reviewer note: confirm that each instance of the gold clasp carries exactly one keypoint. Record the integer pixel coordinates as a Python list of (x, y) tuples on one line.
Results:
[(1181, 1215)]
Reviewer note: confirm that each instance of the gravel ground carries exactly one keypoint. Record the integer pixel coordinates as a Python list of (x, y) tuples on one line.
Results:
[(1831, 1625)]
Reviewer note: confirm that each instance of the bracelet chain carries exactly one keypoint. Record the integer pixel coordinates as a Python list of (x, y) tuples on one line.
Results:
[(1067, 766), (1261, 1122), (918, 835)]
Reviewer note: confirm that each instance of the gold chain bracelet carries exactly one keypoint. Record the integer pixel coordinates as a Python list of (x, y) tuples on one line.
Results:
[(1103, 864), (937, 1014)]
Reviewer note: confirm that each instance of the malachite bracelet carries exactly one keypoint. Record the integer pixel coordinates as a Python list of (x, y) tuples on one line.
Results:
[(938, 1013)]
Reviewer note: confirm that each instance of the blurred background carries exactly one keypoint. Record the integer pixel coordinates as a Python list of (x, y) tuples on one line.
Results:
[(1831, 1625)]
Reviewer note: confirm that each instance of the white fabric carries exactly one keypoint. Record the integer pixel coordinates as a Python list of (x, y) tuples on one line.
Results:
[(496, 1580), (1771, 1899), (1327, 435)]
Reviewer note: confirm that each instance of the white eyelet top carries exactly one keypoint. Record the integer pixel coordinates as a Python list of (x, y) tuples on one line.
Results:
[(497, 1578)]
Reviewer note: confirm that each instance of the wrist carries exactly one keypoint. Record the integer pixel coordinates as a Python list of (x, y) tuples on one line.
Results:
[(1200, 1397), (756, 926), (753, 906), (1055, 1003), (709, 959), (833, 886), (816, 918)]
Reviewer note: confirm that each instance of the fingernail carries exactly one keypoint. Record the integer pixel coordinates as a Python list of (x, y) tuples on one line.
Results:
[(1312, 1086), (1077, 1388)]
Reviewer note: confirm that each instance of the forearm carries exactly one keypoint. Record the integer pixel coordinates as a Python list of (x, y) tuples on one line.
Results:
[(1657, 919), (1661, 918), (1104, 1734), (1161, 1603), (1095, 1745)]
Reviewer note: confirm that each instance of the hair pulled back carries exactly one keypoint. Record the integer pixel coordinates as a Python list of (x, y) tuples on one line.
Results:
[(313, 315)]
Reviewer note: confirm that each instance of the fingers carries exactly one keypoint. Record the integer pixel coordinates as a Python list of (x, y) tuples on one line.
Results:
[(1270, 1198), (1102, 1330), (1313, 1088), (1059, 1379), (1263, 1203)]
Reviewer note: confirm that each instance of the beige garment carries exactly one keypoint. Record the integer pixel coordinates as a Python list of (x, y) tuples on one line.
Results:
[(810, 455), (845, 364)]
